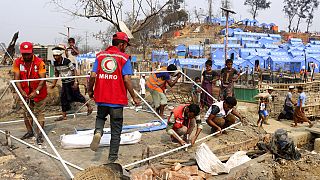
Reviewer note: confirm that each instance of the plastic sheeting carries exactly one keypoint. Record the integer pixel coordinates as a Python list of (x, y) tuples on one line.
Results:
[(210, 163), (73, 141)]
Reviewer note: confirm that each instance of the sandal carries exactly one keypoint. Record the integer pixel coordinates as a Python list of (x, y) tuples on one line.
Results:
[(61, 118)]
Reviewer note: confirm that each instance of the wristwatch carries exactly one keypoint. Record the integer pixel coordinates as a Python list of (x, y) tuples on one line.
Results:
[(37, 92)]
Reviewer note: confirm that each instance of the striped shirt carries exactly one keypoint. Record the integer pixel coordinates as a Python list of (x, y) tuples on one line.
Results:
[(65, 69)]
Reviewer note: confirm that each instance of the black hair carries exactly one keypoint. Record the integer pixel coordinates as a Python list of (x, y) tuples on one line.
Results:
[(208, 63), (232, 101), (71, 39), (229, 61), (172, 67), (116, 42), (194, 108), (300, 88), (197, 78)]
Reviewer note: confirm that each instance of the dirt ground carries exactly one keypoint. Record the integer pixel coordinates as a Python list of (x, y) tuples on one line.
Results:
[(25, 163)]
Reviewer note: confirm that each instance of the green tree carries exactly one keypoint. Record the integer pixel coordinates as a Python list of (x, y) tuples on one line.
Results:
[(256, 5)]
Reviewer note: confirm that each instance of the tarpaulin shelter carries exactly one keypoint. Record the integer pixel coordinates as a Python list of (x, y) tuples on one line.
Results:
[(181, 50), (159, 56), (230, 31), (312, 60), (245, 40), (256, 60), (195, 50), (242, 63), (217, 54), (263, 52), (252, 45), (245, 52), (278, 63), (270, 46), (265, 40), (275, 37)]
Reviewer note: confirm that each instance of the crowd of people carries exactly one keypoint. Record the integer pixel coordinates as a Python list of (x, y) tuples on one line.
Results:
[(110, 80)]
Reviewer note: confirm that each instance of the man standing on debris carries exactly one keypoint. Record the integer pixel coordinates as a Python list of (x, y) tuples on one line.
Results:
[(111, 80), (72, 53), (288, 110), (70, 91), (184, 119), (156, 84), (299, 116), (30, 66), (228, 76), (222, 114)]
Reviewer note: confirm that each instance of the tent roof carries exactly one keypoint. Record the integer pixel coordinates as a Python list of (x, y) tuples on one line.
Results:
[(195, 47), (270, 46), (275, 35), (280, 58), (181, 47), (248, 39), (217, 45), (252, 45)]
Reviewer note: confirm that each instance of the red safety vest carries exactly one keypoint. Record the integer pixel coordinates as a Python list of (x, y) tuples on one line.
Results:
[(178, 114), (32, 73), (155, 83), (109, 86)]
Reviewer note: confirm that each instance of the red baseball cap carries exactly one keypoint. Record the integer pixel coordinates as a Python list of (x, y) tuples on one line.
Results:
[(121, 36), (26, 47)]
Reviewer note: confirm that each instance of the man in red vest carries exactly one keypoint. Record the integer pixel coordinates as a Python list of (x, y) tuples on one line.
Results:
[(30, 66), (184, 119), (111, 80)]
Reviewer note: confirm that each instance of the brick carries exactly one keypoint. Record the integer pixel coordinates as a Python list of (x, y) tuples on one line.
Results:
[(164, 173), (176, 167), (196, 178), (156, 172), (189, 170), (202, 174), (142, 175), (317, 145), (179, 176)]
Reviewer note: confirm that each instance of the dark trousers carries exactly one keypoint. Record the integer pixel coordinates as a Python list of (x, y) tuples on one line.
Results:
[(69, 95), (116, 120)]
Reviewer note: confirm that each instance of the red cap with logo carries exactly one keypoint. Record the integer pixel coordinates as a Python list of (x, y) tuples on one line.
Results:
[(26, 47), (121, 36)]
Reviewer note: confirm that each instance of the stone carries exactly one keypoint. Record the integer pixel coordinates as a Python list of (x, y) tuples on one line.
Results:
[(176, 167), (317, 145)]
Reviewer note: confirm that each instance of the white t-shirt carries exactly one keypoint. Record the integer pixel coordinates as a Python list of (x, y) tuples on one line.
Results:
[(222, 113), (142, 86)]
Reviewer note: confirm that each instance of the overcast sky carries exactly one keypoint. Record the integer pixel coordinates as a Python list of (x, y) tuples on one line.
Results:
[(39, 22)]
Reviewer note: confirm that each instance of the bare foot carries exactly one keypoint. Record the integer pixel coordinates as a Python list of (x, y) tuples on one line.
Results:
[(311, 125)]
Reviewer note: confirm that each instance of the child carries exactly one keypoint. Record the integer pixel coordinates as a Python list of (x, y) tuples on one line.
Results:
[(263, 113), (228, 76), (196, 91), (208, 77)]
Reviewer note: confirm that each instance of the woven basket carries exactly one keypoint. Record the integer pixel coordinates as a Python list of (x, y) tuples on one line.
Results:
[(98, 173)]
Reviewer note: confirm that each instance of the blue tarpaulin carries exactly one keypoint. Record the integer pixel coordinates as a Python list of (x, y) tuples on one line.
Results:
[(195, 51), (252, 45), (181, 50), (270, 46), (159, 56)]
